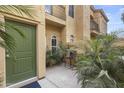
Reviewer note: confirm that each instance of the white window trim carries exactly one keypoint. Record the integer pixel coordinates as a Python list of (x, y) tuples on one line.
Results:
[(56, 42)]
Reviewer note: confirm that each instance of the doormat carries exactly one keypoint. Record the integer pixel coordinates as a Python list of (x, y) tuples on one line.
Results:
[(32, 85)]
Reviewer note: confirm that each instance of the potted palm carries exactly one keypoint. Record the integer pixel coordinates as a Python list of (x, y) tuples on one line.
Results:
[(57, 56)]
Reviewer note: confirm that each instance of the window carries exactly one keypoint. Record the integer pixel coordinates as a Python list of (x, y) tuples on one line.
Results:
[(48, 9), (71, 38), (71, 10), (54, 44)]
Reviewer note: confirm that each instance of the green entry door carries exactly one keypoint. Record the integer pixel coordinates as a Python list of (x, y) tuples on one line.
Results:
[(24, 65)]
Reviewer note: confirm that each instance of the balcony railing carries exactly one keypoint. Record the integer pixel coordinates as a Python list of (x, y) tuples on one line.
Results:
[(94, 26), (57, 11)]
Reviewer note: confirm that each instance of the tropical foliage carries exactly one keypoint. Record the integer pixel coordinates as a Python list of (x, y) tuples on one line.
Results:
[(7, 41), (56, 57), (102, 65)]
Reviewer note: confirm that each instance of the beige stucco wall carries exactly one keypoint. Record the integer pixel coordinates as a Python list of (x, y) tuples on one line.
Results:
[(82, 15), (103, 25), (52, 30), (2, 61), (91, 12), (70, 26), (62, 30), (41, 43), (39, 21), (101, 22), (79, 26), (59, 11)]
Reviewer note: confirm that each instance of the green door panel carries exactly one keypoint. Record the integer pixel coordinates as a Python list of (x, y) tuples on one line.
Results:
[(24, 65)]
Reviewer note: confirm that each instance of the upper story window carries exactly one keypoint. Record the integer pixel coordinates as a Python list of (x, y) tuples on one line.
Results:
[(48, 9), (71, 11)]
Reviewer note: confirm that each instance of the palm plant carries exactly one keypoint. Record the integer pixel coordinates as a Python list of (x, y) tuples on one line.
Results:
[(7, 41), (101, 65), (57, 56)]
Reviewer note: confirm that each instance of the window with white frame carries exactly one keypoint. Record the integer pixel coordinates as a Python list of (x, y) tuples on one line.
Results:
[(54, 43), (48, 9)]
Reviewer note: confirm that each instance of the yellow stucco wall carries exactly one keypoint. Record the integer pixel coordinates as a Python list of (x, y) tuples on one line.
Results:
[(82, 14), (79, 26), (52, 30), (59, 11), (101, 22), (70, 25), (2, 61)]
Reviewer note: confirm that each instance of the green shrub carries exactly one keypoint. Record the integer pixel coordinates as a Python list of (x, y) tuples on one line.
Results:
[(56, 57), (102, 65)]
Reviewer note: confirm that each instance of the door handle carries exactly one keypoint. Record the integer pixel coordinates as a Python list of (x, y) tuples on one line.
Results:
[(7, 56)]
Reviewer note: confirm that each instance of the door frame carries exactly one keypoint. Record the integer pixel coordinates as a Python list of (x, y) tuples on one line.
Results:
[(30, 80)]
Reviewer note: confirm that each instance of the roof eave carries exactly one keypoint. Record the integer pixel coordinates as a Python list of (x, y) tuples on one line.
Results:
[(103, 13)]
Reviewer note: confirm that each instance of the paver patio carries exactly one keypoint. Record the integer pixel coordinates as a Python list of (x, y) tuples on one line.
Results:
[(59, 77)]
